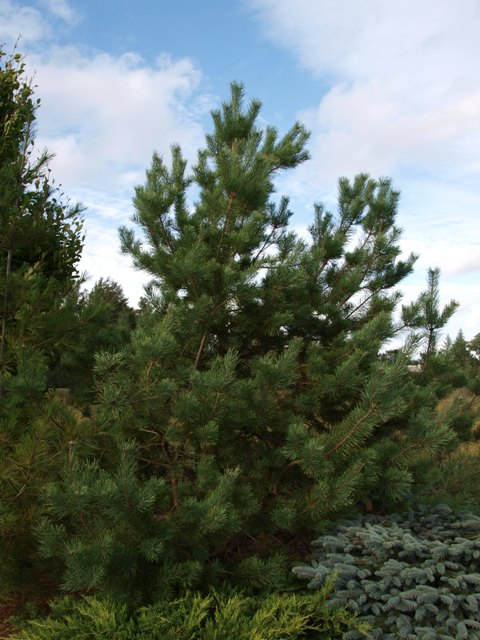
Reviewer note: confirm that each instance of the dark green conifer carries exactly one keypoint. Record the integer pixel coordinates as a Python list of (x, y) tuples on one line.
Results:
[(104, 322), (252, 389), (426, 316), (40, 244)]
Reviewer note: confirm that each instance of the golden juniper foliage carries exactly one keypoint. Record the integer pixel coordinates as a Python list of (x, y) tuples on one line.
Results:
[(218, 616)]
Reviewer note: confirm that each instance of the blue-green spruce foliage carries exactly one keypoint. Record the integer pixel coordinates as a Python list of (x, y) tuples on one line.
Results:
[(414, 575)]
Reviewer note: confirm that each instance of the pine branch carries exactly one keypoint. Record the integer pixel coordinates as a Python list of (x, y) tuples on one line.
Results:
[(353, 430), (200, 350), (275, 489)]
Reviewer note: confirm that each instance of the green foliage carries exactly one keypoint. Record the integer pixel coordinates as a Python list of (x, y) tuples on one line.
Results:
[(453, 479), (248, 403), (104, 322), (458, 366), (40, 245), (119, 544), (425, 314), (36, 436), (447, 377), (87, 619), (252, 389), (218, 616), (449, 382), (40, 236), (410, 575)]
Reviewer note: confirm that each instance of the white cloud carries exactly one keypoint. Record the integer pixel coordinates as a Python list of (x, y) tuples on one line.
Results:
[(62, 9), (103, 116), (401, 81), (22, 22), (101, 256), (345, 39), (400, 96), (30, 25)]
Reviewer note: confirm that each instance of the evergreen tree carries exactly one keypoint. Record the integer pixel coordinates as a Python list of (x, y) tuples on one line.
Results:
[(458, 379), (252, 403), (40, 244), (447, 378), (474, 346), (425, 315), (40, 236), (467, 355), (105, 321), (458, 362)]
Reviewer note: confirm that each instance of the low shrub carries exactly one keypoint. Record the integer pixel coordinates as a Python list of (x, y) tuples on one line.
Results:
[(218, 616), (411, 575)]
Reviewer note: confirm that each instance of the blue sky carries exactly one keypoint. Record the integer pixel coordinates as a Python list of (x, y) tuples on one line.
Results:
[(388, 88)]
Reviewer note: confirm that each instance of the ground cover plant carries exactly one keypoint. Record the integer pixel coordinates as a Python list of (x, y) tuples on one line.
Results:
[(411, 575), (218, 616)]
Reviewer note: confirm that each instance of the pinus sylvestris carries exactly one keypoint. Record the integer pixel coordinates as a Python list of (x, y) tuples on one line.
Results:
[(253, 403)]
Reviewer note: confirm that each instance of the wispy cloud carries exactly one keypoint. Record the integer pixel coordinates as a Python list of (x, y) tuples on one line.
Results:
[(62, 9), (104, 115), (400, 97), (31, 25), (21, 21), (402, 83)]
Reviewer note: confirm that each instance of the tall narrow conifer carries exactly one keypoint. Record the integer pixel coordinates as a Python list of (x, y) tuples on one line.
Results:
[(40, 245)]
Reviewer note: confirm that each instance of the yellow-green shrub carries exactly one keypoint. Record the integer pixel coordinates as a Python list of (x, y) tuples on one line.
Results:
[(217, 616)]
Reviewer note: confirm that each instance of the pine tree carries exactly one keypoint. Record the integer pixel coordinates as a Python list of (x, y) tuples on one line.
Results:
[(425, 315), (464, 356), (457, 377), (253, 389), (40, 244), (446, 378)]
